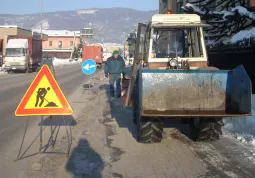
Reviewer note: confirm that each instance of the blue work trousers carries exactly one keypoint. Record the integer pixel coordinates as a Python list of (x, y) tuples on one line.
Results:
[(112, 79)]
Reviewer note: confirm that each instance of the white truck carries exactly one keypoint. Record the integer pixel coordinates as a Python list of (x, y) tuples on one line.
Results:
[(23, 54)]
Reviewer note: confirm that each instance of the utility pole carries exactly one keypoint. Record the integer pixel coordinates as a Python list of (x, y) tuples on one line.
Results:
[(73, 46), (41, 17)]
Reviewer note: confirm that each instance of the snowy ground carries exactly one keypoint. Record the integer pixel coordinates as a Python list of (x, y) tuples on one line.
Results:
[(2, 72), (242, 128), (61, 62)]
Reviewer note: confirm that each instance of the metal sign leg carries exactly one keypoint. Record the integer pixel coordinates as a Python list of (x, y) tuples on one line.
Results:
[(23, 138), (41, 142), (51, 133), (67, 134)]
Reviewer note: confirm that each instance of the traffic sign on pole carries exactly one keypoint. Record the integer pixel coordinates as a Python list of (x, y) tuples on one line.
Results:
[(89, 67), (44, 97)]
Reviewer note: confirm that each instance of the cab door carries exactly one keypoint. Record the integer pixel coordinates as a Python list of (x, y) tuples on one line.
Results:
[(139, 57)]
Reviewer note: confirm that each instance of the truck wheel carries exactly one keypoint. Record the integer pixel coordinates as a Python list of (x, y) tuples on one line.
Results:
[(208, 129), (26, 70), (34, 69), (150, 130)]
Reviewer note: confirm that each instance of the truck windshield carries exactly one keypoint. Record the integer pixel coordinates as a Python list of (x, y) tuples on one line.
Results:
[(15, 52), (170, 43)]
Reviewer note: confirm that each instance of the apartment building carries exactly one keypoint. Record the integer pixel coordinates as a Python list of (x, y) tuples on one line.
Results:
[(60, 43)]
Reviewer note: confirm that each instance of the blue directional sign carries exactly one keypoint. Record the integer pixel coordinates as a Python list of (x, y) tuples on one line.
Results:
[(89, 67)]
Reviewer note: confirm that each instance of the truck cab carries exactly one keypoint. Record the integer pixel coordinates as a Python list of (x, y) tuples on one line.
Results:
[(17, 54)]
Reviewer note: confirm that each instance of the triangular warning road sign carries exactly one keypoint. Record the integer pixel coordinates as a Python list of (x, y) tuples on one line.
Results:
[(44, 97)]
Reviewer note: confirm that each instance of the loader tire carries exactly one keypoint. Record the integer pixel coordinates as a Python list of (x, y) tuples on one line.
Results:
[(150, 130), (209, 130)]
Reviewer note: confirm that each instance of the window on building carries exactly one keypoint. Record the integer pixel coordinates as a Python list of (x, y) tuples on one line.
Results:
[(50, 43), (71, 43), (60, 44)]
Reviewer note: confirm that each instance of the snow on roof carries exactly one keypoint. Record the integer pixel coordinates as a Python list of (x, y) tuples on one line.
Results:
[(57, 50), (95, 44), (87, 28), (61, 33), (9, 26)]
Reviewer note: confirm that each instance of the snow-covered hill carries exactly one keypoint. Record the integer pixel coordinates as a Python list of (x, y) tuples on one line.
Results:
[(111, 24)]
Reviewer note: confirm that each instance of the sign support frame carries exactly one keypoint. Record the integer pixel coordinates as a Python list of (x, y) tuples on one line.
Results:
[(51, 140)]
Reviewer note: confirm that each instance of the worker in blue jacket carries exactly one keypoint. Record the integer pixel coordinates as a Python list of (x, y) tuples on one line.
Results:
[(114, 67)]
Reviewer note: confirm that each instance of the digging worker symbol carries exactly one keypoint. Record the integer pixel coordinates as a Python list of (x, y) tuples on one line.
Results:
[(41, 93)]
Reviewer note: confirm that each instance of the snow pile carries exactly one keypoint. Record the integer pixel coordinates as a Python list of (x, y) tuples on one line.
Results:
[(60, 33), (62, 62), (243, 128), (2, 71)]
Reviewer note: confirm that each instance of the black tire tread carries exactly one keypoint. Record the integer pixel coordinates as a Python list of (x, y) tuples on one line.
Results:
[(150, 131), (209, 131)]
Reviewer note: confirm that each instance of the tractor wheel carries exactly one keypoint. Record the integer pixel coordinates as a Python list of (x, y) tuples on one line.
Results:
[(208, 129), (150, 130)]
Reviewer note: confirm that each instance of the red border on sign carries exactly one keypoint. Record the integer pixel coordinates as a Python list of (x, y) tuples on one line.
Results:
[(66, 110)]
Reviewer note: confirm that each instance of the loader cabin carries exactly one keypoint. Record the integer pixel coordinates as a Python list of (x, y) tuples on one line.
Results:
[(174, 38)]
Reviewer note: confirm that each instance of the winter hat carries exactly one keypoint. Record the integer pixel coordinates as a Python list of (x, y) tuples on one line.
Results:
[(115, 52)]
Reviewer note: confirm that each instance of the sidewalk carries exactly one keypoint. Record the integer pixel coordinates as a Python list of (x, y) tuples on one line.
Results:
[(105, 144)]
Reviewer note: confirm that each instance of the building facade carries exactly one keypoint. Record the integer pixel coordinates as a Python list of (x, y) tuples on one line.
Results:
[(60, 43)]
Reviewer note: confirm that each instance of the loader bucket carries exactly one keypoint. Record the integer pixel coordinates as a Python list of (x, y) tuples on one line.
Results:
[(194, 93)]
